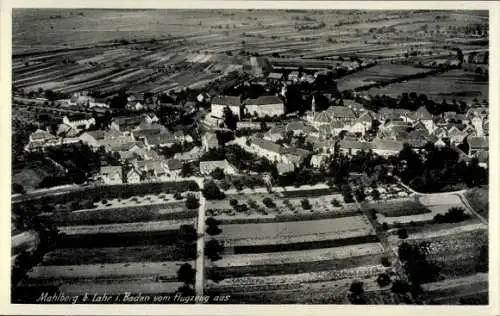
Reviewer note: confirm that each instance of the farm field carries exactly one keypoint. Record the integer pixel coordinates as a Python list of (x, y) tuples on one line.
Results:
[(478, 200), (460, 85), (378, 73)]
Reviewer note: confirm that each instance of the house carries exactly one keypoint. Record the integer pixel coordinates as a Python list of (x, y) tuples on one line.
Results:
[(153, 168), (180, 137), (293, 155), (483, 158), (64, 130), (293, 76), (455, 135), (173, 167), (386, 147), (192, 155), (159, 140), (134, 176), (477, 144), (125, 123), (207, 167), (352, 147), (41, 139), (284, 168), (275, 133), (362, 124), (341, 113), (145, 130), (424, 116), (209, 141), (219, 103), (318, 161), (274, 77), (386, 113), (81, 98), (320, 119), (135, 103), (248, 125), (357, 107), (266, 105), (111, 174), (79, 121), (203, 97), (267, 149), (300, 128), (477, 122), (93, 138)]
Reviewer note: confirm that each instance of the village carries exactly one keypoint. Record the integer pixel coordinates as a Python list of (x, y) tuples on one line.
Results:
[(286, 179)]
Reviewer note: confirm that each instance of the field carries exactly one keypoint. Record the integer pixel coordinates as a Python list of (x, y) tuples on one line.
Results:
[(375, 74), (454, 84), (478, 199)]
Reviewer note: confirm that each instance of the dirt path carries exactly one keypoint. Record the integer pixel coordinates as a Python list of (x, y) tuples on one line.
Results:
[(200, 245)]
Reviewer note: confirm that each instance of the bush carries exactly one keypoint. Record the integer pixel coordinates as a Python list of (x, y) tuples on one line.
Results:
[(400, 287), (383, 280), (336, 203), (306, 205), (233, 202), (402, 233), (268, 202), (192, 202), (177, 196), (454, 215), (211, 191), (385, 226), (385, 262)]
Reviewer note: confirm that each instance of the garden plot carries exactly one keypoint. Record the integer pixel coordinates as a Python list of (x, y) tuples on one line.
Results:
[(435, 203), (107, 271), (457, 287), (105, 255), (281, 282), (125, 227), (301, 256), (268, 234)]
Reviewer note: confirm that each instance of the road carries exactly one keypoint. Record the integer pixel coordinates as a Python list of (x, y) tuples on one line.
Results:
[(200, 245)]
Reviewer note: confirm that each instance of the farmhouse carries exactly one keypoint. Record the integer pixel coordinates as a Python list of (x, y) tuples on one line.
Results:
[(207, 167), (79, 121), (221, 102), (362, 124), (424, 116), (111, 174), (268, 105), (134, 176), (275, 133)]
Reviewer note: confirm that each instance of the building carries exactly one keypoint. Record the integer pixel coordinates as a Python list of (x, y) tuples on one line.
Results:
[(159, 140), (93, 138), (134, 176), (477, 144), (352, 147), (341, 113), (41, 139), (242, 125), (173, 167), (386, 147), (275, 133), (207, 167), (79, 121), (267, 105), (362, 124), (318, 161), (424, 116), (192, 155), (125, 123), (111, 174), (284, 168), (209, 141), (267, 149), (221, 102), (293, 155)]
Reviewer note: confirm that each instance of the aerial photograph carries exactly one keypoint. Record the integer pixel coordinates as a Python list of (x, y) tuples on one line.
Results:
[(249, 156)]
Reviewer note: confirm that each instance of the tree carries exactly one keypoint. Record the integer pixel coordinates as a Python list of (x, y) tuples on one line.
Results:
[(233, 202), (306, 205), (186, 274), (400, 287), (229, 118), (383, 280), (187, 170), (336, 203), (268, 202), (217, 174), (415, 263), (360, 194), (186, 234), (385, 262), (375, 194), (177, 196), (18, 189), (482, 261), (402, 233), (213, 250), (356, 293), (212, 226), (212, 192), (186, 290), (192, 202), (214, 276)]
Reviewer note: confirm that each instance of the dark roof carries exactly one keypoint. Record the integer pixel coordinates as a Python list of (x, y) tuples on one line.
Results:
[(78, 116), (97, 135), (341, 111), (263, 100), (387, 144), (227, 100)]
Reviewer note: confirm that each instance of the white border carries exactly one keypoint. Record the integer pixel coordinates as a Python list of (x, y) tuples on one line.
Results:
[(5, 77)]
